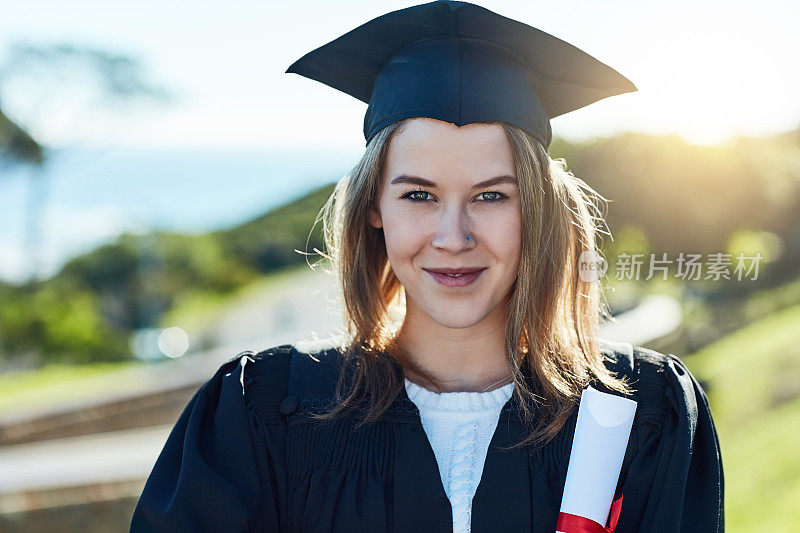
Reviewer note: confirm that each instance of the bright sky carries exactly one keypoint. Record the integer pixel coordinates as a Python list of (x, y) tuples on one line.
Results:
[(704, 69)]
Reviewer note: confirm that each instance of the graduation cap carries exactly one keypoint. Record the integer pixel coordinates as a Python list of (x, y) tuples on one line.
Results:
[(460, 63)]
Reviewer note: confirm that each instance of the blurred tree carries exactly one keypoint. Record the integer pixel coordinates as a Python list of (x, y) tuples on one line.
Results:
[(16, 145), (695, 199), (46, 86), (685, 197), (53, 321), (54, 91)]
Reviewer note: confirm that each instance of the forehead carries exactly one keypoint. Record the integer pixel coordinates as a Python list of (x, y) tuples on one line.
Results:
[(437, 149)]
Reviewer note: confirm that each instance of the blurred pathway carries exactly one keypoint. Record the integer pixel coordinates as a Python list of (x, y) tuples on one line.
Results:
[(75, 461)]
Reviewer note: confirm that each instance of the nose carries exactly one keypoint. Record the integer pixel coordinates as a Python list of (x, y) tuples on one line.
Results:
[(453, 232)]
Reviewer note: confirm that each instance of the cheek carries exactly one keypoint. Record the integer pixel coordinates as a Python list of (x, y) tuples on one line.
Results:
[(508, 239), (403, 234)]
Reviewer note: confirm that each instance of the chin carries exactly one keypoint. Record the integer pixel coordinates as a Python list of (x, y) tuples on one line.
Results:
[(454, 318)]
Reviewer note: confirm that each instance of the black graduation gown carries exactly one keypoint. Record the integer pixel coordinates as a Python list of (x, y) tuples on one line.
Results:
[(244, 457)]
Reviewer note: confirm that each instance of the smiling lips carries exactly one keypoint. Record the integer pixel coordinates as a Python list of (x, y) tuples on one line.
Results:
[(455, 277), (455, 272)]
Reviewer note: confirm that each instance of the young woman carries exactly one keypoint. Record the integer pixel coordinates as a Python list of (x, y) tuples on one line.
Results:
[(451, 403)]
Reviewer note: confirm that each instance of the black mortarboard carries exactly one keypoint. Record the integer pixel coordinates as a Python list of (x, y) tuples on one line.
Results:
[(460, 63)]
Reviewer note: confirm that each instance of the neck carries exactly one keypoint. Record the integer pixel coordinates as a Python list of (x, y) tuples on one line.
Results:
[(460, 360)]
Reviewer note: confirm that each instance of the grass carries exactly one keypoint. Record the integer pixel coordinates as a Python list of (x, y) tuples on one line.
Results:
[(52, 384), (752, 369), (753, 378), (762, 472)]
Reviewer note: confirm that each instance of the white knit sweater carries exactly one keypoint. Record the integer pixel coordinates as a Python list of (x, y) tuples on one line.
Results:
[(460, 426)]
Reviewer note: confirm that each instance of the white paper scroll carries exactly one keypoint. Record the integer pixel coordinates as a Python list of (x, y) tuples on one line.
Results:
[(598, 448)]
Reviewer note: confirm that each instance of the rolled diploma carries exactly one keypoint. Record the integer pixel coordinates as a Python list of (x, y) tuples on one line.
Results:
[(598, 448)]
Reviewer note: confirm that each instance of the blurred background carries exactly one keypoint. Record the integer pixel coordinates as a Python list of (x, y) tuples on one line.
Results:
[(160, 177)]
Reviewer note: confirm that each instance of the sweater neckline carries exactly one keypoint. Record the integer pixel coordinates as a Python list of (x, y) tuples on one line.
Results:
[(458, 401)]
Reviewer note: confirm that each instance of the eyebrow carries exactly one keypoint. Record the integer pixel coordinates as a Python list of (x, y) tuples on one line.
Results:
[(416, 180)]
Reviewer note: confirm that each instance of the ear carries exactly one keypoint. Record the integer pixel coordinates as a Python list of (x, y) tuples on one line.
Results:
[(374, 218)]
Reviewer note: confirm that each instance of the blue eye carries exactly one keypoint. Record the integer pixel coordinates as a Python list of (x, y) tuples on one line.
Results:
[(410, 196), (499, 197)]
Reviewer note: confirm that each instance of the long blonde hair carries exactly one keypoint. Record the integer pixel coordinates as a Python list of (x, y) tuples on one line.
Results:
[(552, 346)]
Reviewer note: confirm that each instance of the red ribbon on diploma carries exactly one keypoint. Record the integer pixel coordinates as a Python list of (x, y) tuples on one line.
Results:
[(571, 523)]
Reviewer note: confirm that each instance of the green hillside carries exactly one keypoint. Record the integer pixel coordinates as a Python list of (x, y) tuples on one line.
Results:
[(753, 378), (86, 312)]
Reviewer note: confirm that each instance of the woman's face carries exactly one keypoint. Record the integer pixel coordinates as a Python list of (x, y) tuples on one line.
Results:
[(431, 198)]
